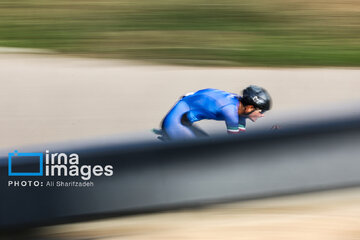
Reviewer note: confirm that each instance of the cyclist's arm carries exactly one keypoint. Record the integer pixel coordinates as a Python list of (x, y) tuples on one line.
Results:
[(231, 117)]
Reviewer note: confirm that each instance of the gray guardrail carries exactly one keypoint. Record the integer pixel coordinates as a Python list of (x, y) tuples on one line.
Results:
[(151, 176)]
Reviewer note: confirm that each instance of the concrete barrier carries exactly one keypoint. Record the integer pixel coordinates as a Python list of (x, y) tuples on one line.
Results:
[(152, 176)]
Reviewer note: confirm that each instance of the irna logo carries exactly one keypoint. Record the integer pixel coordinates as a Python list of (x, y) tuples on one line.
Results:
[(16, 159)]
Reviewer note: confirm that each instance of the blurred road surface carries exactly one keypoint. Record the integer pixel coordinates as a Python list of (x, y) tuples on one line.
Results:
[(49, 98), (329, 215)]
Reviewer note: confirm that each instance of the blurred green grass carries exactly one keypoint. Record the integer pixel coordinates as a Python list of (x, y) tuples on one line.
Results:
[(197, 32)]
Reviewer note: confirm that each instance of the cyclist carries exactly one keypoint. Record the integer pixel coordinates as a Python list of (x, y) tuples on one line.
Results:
[(217, 105)]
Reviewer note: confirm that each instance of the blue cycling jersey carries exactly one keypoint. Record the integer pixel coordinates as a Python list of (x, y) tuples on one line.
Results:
[(214, 104), (204, 104)]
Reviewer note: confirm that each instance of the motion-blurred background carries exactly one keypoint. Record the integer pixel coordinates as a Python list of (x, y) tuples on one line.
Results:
[(196, 32), (84, 69)]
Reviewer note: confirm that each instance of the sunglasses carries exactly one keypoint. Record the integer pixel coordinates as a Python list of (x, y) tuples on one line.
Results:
[(257, 109)]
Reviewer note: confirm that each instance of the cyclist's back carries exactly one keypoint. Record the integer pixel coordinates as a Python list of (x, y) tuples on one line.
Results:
[(208, 103)]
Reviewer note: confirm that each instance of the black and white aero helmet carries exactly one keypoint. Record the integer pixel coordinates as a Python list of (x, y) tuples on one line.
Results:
[(256, 96)]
